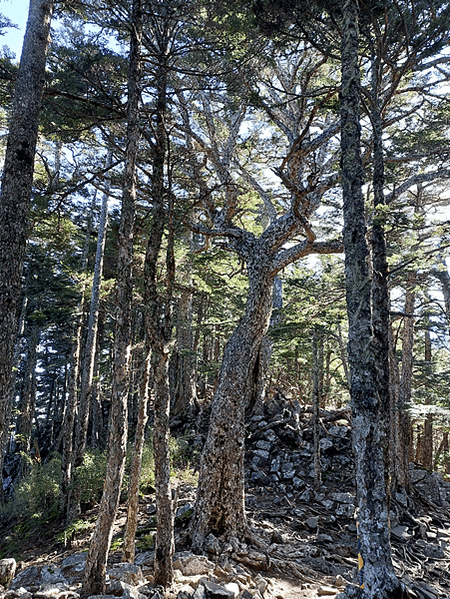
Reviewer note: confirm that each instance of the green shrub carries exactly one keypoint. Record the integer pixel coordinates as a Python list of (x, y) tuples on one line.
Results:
[(90, 476), (36, 498)]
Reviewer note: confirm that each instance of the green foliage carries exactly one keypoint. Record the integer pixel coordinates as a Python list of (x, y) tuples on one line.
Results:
[(36, 498), (74, 528), (90, 476)]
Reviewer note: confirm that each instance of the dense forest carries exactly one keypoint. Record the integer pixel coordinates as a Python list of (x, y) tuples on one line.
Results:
[(205, 204)]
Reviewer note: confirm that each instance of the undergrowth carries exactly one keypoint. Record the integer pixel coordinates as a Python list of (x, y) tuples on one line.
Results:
[(36, 500)]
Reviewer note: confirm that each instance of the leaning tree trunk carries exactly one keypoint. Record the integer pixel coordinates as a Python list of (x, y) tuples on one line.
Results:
[(16, 188), (370, 427), (95, 569), (219, 508)]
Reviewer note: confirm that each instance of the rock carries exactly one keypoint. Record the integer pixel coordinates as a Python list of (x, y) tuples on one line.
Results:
[(212, 545), (28, 578), (193, 565), (312, 522), (344, 498), (53, 576), (402, 499), (102, 597), (20, 593), (233, 587), (325, 443), (74, 564), (184, 512), (216, 591), (118, 588), (54, 592), (130, 574), (146, 558), (400, 532), (7, 570), (264, 445), (430, 550), (200, 592)]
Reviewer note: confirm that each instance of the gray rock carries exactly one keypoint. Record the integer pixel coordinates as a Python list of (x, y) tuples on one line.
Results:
[(264, 445), (74, 564), (345, 509), (312, 522), (20, 593), (430, 549), (275, 465), (328, 504), (55, 592), (53, 576), (146, 558), (28, 578), (325, 443), (400, 532), (344, 498), (216, 591), (193, 565), (118, 588), (212, 545), (402, 499), (298, 482), (128, 573), (7, 570)]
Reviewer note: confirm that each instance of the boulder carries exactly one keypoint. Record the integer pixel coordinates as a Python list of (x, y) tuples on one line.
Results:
[(130, 574), (7, 570)]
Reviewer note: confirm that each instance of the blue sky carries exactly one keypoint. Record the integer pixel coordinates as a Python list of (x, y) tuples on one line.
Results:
[(17, 11)]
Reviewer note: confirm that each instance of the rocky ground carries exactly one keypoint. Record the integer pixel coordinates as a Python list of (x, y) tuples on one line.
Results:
[(304, 537)]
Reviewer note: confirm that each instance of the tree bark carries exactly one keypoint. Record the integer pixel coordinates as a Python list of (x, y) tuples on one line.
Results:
[(136, 466), (16, 189), (95, 569), (87, 375), (219, 507), (68, 507), (370, 426)]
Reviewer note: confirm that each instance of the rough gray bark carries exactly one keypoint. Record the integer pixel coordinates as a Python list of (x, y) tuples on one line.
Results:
[(158, 322), (401, 414), (136, 466), (95, 569), (316, 406), (219, 508), (370, 427), (426, 454), (16, 188)]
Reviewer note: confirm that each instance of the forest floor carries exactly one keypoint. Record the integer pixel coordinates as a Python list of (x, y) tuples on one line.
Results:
[(304, 539)]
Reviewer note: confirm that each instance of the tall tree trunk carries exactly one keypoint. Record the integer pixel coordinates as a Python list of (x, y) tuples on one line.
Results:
[(28, 399), (401, 413), (69, 508), (16, 190), (136, 466), (316, 407), (370, 424), (7, 405), (426, 456), (87, 375), (158, 320), (219, 507), (95, 570)]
